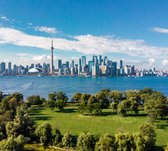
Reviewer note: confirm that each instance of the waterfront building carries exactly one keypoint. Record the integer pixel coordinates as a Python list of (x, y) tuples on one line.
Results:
[(121, 64), (9, 68), (2, 68), (95, 60), (83, 60), (90, 64), (100, 60), (59, 63), (80, 63), (67, 64), (95, 70)]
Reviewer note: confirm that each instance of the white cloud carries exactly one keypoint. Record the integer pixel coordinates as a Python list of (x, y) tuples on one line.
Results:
[(4, 18), (22, 54), (151, 61), (165, 62), (86, 44), (160, 30), (49, 30)]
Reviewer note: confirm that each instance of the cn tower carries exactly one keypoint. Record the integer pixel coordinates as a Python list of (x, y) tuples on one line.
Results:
[(52, 65)]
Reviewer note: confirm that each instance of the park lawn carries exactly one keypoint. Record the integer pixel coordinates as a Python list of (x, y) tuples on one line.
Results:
[(69, 120)]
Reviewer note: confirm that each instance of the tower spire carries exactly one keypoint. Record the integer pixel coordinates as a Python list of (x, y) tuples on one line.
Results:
[(52, 64)]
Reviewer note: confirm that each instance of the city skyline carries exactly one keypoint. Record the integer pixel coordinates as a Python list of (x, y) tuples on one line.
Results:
[(97, 67), (112, 28)]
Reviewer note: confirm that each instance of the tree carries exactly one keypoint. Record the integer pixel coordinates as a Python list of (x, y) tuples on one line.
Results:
[(35, 100), (60, 104), (22, 124), (148, 132), (116, 96), (57, 99), (76, 97), (57, 137), (124, 141), (67, 140), (103, 99), (114, 105), (123, 107), (156, 105), (44, 132), (85, 142), (139, 142), (13, 144), (106, 143)]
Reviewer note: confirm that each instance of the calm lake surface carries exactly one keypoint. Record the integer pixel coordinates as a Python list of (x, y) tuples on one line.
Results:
[(43, 85)]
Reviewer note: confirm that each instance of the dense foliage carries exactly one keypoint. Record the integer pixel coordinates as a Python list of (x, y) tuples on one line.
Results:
[(17, 127)]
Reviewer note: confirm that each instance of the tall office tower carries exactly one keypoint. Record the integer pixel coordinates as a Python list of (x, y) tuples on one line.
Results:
[(80, 62), (95, 70), (45, 68), (59, 64), (9, 68), (114, 68), (2, 67), (105, 61), (121, 64), (133, 70), (67, 64), (72, 64), (83, 60), (95, 60), (90, 64), (15, 69), (52, 62), (100, 60)]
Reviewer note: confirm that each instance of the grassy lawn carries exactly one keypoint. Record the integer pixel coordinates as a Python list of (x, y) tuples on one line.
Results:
[(71, 121)]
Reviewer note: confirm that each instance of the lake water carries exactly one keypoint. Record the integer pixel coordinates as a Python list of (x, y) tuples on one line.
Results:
[(43, 85)]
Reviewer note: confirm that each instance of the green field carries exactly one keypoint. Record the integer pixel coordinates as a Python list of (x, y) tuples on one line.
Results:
[(71, 121)]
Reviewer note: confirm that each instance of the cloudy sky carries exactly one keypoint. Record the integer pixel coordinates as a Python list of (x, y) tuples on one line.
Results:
[(133, 30)]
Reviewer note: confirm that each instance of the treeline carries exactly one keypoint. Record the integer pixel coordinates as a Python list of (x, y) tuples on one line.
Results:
[(143, 140), (154, 103), (18, 128)]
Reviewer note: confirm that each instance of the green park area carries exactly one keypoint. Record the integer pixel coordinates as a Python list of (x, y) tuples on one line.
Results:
[(69, 120)]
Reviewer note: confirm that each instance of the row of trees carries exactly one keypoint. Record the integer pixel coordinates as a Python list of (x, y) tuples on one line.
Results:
[(142, 141), (153, 102)]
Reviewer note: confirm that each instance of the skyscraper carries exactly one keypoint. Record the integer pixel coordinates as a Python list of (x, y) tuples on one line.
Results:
[(100, 60), (52, 64), (121, 64), (2, 67), (95, 60), (9, 68), (59, 64), (83, 60)]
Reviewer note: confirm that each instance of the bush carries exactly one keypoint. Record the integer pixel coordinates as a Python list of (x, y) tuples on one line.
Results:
[(44, 132), (57, 137), (148, 132), (13, 144), (106, 143), (67, 140), (85, 142)]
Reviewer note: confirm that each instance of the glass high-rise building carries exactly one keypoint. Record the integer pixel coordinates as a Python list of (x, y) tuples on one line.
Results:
[(83, 60), (59, 64)]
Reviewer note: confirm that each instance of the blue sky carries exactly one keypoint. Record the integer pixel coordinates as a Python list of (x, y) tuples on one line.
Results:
[(133, 30)]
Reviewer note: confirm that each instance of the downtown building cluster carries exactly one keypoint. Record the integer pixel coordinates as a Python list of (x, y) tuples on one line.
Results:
[(97, 66)]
